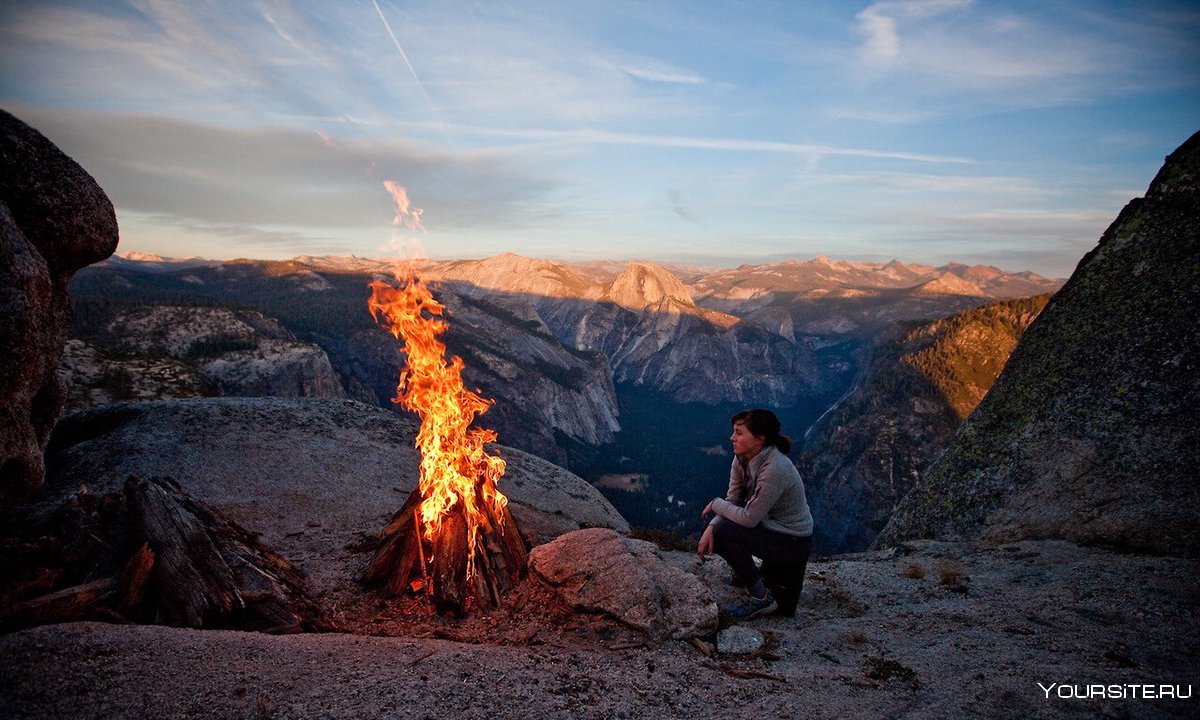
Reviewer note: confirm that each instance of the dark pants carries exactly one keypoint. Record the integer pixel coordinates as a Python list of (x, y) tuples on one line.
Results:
[(784, 557)]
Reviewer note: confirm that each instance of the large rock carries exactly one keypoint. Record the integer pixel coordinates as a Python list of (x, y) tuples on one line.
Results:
[(309, 475), (597, 570), (54, 219), (1090, 432)]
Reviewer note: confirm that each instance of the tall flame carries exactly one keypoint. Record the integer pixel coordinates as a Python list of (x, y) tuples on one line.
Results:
[(456, 470)]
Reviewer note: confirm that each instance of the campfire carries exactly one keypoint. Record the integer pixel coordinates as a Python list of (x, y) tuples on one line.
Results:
[(454, 538)]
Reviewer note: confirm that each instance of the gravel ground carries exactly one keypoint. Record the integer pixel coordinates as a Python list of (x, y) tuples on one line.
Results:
[(935, 630)]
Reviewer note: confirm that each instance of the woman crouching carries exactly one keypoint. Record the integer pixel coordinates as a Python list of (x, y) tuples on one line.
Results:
[(765, 515)]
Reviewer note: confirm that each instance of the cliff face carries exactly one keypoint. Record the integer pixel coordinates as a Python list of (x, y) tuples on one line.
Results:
[(54, 219), (163, 351), (509, 351), (1090, 432), (643, 319), (920, 382), (653, 334)]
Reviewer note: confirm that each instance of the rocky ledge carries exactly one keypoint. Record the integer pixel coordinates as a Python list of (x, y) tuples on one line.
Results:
[(928, 630)]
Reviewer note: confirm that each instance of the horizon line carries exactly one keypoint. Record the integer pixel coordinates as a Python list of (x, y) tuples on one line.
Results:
[(703, 265)]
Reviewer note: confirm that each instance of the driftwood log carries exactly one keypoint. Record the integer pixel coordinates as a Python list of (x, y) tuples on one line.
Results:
[(154, 554), (406, 561)]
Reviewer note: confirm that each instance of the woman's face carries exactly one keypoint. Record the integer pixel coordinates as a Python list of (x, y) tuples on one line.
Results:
[(744, 441)]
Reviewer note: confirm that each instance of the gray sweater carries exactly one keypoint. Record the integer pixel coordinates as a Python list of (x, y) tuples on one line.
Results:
[(766, 490)]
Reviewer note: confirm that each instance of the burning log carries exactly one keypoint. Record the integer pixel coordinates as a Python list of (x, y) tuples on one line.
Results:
[(407, 562), (454, 538)]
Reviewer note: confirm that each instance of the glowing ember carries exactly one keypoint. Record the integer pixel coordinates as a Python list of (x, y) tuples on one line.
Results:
[(456, 470)]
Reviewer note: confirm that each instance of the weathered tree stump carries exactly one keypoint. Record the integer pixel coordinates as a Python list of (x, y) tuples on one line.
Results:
[(154, 554), (192, 581), (406, 561)]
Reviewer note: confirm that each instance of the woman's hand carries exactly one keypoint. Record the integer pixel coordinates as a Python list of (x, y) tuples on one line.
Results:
[(705, 547), (708, 509)]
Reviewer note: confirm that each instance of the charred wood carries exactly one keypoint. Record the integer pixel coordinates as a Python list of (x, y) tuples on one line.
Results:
[(406, 561)]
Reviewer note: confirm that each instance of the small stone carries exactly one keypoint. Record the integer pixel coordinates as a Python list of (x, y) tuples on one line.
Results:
[(738, 640)]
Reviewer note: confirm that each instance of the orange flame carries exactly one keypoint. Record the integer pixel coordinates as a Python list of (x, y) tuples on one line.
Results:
[(456, 470)]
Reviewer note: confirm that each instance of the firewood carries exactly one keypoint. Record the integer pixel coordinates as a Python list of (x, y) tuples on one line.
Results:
[(162, 556), (402, 558), (398, 550), (68, 604), (132, 585), (208, 571)]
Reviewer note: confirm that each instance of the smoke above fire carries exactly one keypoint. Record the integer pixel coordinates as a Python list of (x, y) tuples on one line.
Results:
[(402, 244)]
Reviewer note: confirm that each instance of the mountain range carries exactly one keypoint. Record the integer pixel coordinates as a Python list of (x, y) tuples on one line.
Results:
[(550, 340)]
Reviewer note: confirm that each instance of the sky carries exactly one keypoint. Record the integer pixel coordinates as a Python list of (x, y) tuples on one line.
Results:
[(714, 133)]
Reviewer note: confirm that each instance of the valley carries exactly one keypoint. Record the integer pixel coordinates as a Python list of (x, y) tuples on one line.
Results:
[(607, 369)]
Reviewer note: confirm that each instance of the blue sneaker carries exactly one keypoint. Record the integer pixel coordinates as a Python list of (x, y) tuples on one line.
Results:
[(751, 607)]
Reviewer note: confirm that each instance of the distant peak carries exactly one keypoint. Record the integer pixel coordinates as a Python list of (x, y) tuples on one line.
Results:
[(142, 257), (644, 284)]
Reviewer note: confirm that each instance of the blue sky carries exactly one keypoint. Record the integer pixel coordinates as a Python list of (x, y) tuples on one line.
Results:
[(1008, 133)]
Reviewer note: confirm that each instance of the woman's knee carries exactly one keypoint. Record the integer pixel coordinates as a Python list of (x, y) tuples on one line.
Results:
[(726, 532)]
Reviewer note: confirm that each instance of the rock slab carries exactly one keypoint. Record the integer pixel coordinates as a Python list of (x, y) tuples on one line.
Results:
[(310, 475)]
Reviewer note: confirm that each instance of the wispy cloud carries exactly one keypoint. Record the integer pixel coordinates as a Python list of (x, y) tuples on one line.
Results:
[(992, 186), (606, 137), (1018, 57), (295, 178), (879, 24), (663, 75), (408, 63), (884, 116)]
